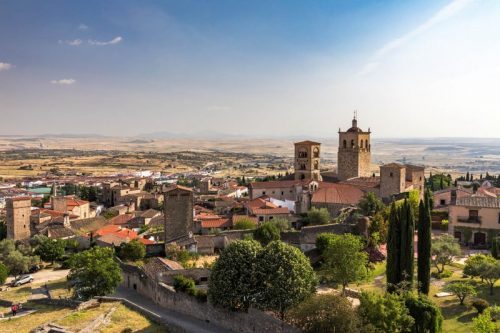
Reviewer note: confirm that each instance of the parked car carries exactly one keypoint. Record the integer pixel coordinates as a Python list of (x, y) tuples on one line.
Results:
[(23, 279), (35, 268)]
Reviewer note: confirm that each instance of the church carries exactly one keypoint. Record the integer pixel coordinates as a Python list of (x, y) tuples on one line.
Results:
[(353, 176)]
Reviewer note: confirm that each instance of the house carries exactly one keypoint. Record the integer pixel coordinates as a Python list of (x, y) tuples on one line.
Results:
[(446, 197), (265, 210), (475, 219), (70, 204)]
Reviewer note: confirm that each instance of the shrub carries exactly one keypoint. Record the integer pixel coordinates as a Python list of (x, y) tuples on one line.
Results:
[(244, 224), (185, 285), (480, 305), (443, 275)]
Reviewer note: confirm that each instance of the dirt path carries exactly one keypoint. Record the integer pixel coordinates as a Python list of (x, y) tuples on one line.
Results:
[(46, 275)]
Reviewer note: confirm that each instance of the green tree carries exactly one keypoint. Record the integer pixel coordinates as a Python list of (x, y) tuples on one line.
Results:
[(370, 204), (51, 249), (475, 265), (443, 249), (281, 223), (244, 223), (378, 229), (424, 245), (323, 241), (232, 282), (94, 273), (3, 228), (491, 274), (266, 233), (385, 313), (495, 247), (133, 250), (285, 275), (325, 313), (400, 251), (18, 263), (317, 216), (345, 259), (4, 272), (484, 322), (427, 315), (461, 289)]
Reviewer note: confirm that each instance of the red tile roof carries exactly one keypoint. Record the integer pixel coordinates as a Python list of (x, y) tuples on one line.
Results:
[(278, 184), (219, 223), (270, 211), (338, 194), (121, 219)]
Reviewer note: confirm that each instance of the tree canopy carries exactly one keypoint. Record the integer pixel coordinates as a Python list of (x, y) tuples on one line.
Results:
[(133, 250), (51, 249), (94, 273), (443, 249), (244, 223), (370, 204), (345, 259), (385, 313), (266, 233), (317, 216)]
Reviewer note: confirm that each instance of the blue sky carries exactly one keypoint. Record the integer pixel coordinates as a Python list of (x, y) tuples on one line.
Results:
[(410, 68)]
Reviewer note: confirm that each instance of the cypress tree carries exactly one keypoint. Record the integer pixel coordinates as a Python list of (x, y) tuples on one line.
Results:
[(406, 251), (392, 271), (424, 245)]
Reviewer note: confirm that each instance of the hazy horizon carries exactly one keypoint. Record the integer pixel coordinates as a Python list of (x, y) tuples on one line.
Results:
[(412, 69)]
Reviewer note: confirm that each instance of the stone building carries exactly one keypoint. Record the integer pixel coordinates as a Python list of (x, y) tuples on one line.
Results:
[(178, 210), (18, 218), (397, 178), (307, 160), (354, 154)]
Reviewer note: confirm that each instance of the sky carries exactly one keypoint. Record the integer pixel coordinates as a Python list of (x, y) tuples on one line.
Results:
[(428, 68)]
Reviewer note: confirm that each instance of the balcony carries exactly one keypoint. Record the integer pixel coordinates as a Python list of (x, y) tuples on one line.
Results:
[(469, 219)]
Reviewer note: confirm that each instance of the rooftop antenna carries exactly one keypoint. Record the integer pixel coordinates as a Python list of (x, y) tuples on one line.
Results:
[(355, 114)]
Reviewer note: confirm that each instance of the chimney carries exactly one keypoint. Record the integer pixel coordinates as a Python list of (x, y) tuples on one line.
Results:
[(66, 220)]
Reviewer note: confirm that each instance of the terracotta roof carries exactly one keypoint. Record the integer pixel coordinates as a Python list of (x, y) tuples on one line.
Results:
[(480, 202), (180, 187), (111, 239), (393, 165), (150, 213), (207, 216), (338, 194), (19, 198), (55, 213), (72, 202), (173, 265), (307, 142), (121, 219), (89, 225), (270, 211), (219, 223), (145, 241), (363, 182), (59, 231), (157, 221), (278, 184)]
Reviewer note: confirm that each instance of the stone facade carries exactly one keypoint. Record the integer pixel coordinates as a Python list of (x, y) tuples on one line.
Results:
[(178, 209), (354, 154), (307, 160), (18, 218), (392, 179)]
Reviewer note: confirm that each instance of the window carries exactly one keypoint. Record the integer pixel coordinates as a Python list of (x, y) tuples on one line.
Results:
[(391, 174), (442, 202), (352, 143), (302, 152), (263, 192), (345, 144), (361, 144), (316, 165), (261, 218), (270, 218), (282, 192), (316, 152)]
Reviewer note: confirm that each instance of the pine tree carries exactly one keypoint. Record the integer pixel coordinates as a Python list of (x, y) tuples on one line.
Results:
[(424, 245)]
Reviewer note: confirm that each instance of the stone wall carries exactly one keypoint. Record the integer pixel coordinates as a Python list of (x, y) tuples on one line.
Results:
[(18, 218), (163, 295)]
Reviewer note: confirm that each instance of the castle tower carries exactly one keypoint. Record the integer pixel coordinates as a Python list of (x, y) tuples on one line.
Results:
[(18, 218), (354, 155), (392, 179), (307, 160), (178, 208)]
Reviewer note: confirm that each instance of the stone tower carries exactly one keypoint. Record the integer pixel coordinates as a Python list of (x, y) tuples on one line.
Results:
[(307, 160), (178, 209), (354, 155), (392, 179), (18, 218)]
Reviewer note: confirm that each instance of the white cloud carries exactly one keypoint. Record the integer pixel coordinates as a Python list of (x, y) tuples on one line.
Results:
[(63, 82), (83, 26), (442, 15), (4, 66), (115, 40), (74, 42)]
